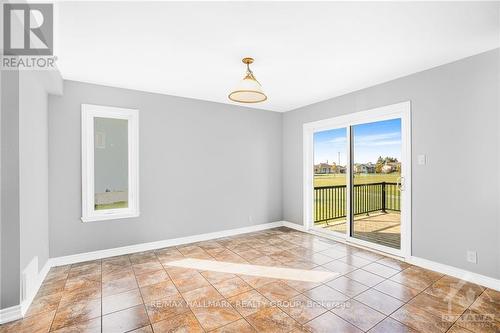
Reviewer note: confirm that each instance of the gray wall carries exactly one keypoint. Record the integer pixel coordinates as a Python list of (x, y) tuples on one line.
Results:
[(204, 167), (10, 239), (24, 213), (455, 121), (33, 168)]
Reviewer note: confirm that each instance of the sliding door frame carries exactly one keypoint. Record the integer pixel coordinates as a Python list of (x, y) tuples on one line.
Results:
[(399, 110)]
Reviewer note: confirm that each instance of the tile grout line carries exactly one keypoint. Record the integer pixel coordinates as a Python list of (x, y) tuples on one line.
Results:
[(257, 291), (247, 283), (467, 308), (423, 291), (325, 284), (254, 289), (140, 291), (187, 304), (353, 298), (59, 303), (452, 323), (408, 302), (242, 317), (122, 292), (405, 302), (126, 291), (300, 325), (284, 262)]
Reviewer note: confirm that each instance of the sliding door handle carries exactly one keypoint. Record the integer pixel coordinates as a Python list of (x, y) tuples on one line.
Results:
[(401, 183)]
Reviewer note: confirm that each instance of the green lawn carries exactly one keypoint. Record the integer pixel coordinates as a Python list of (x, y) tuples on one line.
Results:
[(331, 202), (340, 179), (115, 205)]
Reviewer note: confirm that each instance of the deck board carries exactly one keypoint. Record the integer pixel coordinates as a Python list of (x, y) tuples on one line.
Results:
[(380, 228)]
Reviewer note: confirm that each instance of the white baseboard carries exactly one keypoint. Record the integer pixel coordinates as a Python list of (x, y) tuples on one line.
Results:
[(18, 311), (10, 314), (25, 304), (81, 257), (459, 273), (295, 226)]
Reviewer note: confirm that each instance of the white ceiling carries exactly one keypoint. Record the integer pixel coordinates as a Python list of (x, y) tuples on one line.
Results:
[(304, 52)]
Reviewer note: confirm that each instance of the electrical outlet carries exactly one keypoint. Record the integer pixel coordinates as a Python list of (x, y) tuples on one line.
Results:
[(472, 257), (421, 159)]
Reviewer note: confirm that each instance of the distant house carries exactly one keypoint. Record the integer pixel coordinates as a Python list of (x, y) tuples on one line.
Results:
[(387, 168), (359, 168), (391, 167), (364, 168), (324, 168)]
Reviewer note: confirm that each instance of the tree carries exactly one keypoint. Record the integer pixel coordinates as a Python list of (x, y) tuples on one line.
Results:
[(379, 165)]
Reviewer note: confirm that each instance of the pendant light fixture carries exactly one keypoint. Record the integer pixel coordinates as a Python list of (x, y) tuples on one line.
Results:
[(249, 89)]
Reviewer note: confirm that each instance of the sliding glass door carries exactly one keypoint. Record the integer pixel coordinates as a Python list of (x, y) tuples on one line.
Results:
[(355, 182), (330, 180), (375, 187)]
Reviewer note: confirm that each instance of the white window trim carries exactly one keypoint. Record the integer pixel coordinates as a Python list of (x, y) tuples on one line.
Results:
[(89, 112)]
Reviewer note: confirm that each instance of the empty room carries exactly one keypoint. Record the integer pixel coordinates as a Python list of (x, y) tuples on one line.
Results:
[(250, 167)]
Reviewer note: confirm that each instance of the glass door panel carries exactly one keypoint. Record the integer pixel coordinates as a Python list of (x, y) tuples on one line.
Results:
[(330, 179), (376, 176)]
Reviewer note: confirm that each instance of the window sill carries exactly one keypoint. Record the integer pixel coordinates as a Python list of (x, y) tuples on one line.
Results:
[(109, 217)]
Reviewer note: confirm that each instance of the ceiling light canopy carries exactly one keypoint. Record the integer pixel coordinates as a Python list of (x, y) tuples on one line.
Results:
[(249, 89)]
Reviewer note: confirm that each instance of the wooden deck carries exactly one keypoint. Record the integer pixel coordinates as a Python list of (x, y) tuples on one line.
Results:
[(380, 228)]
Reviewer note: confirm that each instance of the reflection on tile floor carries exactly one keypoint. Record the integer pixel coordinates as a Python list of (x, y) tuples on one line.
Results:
[(141, 292)]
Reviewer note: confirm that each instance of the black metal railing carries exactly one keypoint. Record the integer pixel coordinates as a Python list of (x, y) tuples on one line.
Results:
[(330, 201)]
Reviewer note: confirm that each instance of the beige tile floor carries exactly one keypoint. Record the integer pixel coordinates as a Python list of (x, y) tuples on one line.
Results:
[(141, 292)]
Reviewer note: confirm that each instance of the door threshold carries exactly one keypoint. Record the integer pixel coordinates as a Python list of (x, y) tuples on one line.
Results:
[(329, 235)]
